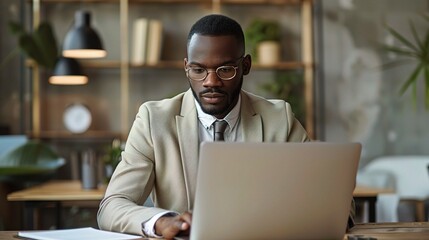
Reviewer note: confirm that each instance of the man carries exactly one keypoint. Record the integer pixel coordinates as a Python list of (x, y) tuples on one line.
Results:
[(161, 154)]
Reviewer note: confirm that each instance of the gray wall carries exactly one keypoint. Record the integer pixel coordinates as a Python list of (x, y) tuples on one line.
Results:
[(362, 100)]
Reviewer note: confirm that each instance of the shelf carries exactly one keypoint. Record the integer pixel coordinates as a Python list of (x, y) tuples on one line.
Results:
[(266, 2), (241, 2), (130, 1), (179, 65), (293, 65), (87, 136), (86, 63)]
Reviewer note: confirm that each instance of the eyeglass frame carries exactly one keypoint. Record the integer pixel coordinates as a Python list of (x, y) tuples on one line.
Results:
[(187, 68)]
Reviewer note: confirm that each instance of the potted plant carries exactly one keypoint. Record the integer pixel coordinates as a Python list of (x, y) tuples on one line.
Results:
[(112, 158), (288, 86), (263, 38), (416, 50), (39, 45)]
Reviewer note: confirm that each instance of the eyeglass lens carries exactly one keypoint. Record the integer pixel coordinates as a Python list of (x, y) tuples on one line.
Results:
[(223, 72)]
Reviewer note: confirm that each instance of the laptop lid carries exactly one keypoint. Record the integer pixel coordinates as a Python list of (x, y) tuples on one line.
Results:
[(274, 190)]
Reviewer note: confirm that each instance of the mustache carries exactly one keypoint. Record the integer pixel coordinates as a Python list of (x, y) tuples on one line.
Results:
[(213, 90)]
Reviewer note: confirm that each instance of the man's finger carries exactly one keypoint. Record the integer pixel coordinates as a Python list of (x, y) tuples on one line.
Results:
[(187, 217), (184, 226)]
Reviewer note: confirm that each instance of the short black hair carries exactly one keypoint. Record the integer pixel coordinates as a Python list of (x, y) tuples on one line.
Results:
[(217, 25)]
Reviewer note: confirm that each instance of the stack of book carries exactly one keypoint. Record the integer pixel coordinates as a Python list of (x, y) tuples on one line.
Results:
[(146, 41)]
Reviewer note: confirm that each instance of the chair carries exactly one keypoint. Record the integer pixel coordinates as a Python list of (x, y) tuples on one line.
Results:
[(407, 175)]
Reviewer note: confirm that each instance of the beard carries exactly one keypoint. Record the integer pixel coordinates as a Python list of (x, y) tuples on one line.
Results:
[(224, 108)]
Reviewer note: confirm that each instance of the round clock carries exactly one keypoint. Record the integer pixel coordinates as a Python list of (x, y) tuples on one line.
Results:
[(77, 118)]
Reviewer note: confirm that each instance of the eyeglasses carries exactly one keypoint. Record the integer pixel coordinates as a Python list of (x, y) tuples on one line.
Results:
[(225, 73)]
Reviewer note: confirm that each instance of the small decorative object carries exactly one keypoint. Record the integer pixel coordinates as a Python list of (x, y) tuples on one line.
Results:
[(112, 158), (268, 52), (89, 170), (263, 38), (417, 51), (77, 118)]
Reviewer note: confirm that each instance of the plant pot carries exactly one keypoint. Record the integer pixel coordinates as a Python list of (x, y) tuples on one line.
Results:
[(268, 52)]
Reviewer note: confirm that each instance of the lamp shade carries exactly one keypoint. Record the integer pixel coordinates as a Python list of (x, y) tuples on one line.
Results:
[(68, 72), (82, 41)]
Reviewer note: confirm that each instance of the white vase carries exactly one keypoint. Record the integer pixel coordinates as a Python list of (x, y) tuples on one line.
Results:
[(268, 52)]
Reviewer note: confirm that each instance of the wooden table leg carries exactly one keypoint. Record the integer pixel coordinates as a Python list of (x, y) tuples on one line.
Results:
[(29, 215), (371, 201), (371, 208), (58, 209)]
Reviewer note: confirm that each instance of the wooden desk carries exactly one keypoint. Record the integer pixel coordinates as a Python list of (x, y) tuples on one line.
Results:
[(68, 190), (53, 191), (6, 235), (381, 231), (369, 194), (392, 231), (71, 190), (12, 235), (61, 190)]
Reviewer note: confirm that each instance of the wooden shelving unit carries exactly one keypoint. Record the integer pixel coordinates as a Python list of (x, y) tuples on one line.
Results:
[(306, 65)]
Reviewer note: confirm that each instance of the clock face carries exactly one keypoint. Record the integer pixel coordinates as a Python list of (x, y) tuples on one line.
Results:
[(77, 118)]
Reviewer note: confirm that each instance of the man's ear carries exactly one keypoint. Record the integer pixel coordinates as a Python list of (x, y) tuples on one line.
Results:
[(185, 62), (247, 64)]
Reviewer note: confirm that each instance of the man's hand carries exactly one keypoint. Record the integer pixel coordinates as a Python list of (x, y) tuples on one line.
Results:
[(170, 226)]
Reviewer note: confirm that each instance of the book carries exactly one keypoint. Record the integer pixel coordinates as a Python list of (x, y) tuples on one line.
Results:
[(154, 42), (139, 41), (76, 234)]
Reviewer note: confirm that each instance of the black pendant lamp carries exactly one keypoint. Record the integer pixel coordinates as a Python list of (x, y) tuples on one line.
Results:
[(68, 72), (82, 41)]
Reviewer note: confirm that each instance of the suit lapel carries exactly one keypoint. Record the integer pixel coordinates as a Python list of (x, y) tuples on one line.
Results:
[(187, 130), (251, 122)]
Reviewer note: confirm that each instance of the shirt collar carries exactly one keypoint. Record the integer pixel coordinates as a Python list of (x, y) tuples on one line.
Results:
[(231, 118)]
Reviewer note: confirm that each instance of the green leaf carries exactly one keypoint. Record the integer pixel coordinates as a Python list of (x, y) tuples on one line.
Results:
[(414, 95), (418, 52), (401, 38), (40, 45), (9, 56), (425, 49), (45, 40), (412, 78), (29, 46), (427, 86), (16, 28), (415, 35), (401, 51), (395, 63)]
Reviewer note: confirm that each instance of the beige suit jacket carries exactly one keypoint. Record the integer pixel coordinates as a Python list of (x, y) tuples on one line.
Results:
[(161, 156)]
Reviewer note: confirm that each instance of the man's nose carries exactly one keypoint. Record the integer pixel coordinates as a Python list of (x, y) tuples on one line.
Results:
[(212, 79)]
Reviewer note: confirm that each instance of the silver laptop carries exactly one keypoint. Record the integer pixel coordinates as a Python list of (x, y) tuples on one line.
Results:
[(274, 190)]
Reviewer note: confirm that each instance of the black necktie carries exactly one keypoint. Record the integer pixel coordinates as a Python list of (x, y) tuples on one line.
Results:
[(219, 129)]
